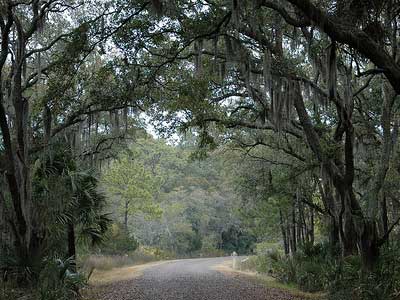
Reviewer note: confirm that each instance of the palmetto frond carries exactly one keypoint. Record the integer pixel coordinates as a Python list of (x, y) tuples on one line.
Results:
[(71, 196)]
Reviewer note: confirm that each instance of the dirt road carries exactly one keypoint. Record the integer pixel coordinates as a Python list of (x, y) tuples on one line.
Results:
[(189, 279)]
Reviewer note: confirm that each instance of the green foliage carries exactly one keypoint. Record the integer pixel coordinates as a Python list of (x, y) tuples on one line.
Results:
[(118, 241), (209, 248), (261, 263), (348, 280), (55, 278), (132, 185), (306, 268), (266, 247), (16, 270), (67, 194), (196, 198), (238, 240), (313, 269), (57, 281)]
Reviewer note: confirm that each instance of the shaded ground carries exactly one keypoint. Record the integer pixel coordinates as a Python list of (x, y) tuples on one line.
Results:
[(189, 279)]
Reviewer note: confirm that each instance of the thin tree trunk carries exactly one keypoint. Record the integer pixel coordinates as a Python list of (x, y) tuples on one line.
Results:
[(294, 244), (126, 215), (334, 236), (384, 216), (71, 245), (311, 231), (284, 235)]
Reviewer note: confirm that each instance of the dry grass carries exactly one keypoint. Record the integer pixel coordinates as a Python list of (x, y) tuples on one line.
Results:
[(268, 281), (108, 262), (101, 277)]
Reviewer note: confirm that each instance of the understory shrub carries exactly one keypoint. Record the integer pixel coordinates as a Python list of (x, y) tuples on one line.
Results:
[(16, 270), (253, 263), (267, 247), (209, 249), (305, 268), (48, 279), (313, 268), (349, 281), (58, 281), (118, 241)]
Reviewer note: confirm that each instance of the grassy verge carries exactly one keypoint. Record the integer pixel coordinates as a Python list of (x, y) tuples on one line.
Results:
[(107, 262), (102, 277), (269, 282)]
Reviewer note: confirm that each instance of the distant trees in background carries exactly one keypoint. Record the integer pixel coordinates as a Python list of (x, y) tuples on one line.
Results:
[(197, 210)]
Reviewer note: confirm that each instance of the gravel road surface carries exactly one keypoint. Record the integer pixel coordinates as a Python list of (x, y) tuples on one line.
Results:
[(190, 279)]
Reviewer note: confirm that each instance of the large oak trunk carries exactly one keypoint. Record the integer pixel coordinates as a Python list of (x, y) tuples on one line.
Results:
[(369, 245)]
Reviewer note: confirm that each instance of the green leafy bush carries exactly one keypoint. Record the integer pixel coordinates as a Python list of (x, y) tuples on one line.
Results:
[(254, 263), (266, 247), (238, 240), (209, 249), (17, 270), (281, 267), (313, 268), (306, 268), (58, 281), (349, 281), (118, 241)]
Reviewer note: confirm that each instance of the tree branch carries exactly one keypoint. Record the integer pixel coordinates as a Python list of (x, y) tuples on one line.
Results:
[(353, 37)]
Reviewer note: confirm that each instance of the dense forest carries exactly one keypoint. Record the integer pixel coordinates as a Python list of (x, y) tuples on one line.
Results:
[(173, 203), (198, 128)]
